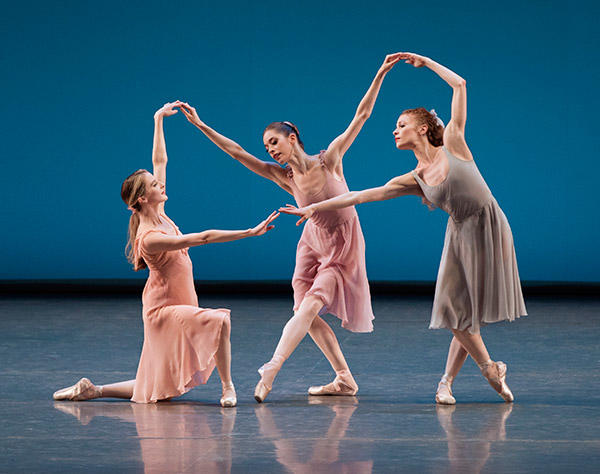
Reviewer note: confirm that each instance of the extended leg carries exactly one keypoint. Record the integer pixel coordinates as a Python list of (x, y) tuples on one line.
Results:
[(293, 332), (86, 390)]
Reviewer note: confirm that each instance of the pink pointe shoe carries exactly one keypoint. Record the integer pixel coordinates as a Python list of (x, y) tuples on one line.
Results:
[(269, 371), (443, 395), (82, 390), (230, 400), (495, 373), (343, 385)]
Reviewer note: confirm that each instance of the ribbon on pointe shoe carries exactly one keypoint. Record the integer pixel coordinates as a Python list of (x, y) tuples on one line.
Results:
[(343, 379)]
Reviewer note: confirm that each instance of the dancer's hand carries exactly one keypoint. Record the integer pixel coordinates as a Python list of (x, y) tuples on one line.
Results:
[(305, 213), (264, 226), (167, 109), (414, 59), (190, 113), (389, 61)]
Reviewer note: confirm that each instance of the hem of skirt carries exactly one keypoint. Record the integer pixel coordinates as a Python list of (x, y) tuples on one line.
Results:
[(325, 310), (481, 323), (187, 387)]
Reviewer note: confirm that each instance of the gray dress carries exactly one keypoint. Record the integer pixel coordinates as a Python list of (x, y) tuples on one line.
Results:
[(478, 280)]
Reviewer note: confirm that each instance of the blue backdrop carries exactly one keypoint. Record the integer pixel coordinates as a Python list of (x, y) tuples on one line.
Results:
[(81, 81)]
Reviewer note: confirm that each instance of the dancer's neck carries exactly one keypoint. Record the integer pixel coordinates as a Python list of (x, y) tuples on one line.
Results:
[(425, 154), (150, 216), (300, 161)]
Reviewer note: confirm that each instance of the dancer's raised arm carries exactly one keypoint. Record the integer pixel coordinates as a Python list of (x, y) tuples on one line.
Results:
[(159, 148), (267, 170), (454, 133), (395, 187), (339, 146), (157, 242)]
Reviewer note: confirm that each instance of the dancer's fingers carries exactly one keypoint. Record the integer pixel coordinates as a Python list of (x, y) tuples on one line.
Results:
[(272, 217), (289, 210)]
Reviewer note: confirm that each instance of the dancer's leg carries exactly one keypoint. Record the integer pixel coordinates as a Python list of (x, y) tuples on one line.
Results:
[(223, 363), (325, 339), (86, 390), (474, 345), (457, 355), (223, 354), (344, 383), (293, 332), (494, 372), (118, 390)]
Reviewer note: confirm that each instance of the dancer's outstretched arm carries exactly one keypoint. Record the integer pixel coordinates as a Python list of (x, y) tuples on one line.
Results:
[(159, 148), (454, 133), (157, 242), (339, 146), (399, 186), (270, 171)]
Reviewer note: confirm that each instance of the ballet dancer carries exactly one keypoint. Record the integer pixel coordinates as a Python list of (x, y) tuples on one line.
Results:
[(182, 342), (478, 280), (330, 274)]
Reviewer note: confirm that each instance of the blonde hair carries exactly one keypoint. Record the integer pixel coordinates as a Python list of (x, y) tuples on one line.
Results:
[(133, 188)]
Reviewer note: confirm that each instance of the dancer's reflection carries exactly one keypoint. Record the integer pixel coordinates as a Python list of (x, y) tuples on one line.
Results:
[(467, 451), (325, 455), (174, 437)]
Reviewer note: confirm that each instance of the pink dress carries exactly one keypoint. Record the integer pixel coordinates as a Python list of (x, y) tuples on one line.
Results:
[(330, 259), (180, 339)]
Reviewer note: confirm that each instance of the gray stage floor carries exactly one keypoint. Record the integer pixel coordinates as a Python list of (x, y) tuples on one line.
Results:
[(392, 425)]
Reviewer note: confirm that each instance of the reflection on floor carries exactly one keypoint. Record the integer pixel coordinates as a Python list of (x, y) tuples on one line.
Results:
[(392, 425)]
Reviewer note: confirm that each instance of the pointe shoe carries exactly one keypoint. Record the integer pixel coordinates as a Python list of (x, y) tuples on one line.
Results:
[(443, 395), (498, 382), (261, 391), (342, 385), (262, 388), (231, 400), (82, 390)]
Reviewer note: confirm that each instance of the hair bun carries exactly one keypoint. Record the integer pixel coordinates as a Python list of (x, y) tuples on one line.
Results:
[(437, 119)]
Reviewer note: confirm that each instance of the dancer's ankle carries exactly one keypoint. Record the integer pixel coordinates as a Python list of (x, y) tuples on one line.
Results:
[(269, 371), (447, 379)]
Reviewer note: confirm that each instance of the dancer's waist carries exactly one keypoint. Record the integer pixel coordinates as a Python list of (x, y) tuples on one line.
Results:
[(332, 219)]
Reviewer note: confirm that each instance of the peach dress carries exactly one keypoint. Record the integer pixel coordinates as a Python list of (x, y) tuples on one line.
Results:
[(330, 258), (180, 339)]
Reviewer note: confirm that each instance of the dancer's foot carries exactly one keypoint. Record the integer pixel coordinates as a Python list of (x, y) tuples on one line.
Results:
[(229, 399), (495, 373), (82, 390), (267, 372), (343, 384), (443, 395)]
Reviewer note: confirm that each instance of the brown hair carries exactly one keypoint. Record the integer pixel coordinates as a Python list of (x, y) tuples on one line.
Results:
[(285, 128), (132, 189), (435, 128)]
